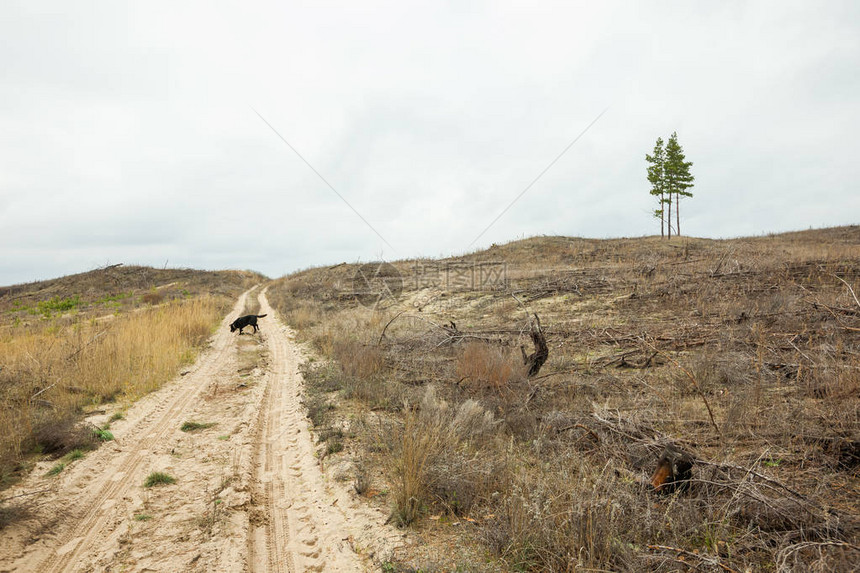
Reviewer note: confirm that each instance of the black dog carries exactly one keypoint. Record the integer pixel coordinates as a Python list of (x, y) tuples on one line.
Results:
[(243, 321)]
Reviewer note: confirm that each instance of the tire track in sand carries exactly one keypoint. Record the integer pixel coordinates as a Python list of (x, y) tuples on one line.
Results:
[(124, 473), (303, 529)]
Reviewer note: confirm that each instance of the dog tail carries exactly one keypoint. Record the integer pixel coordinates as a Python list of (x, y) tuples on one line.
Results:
[(260, 315)]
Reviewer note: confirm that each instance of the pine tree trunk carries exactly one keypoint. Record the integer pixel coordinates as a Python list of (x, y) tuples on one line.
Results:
[(669, 222), (662, 218), (677, 214)]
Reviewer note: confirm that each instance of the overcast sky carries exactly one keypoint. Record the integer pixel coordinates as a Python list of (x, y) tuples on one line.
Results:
[(129, 133)]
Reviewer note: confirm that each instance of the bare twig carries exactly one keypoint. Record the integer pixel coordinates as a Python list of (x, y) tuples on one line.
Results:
[(43, 390), (851, 290), (382, 335), (783, 555), (90, 341), (5, 499), (703, 558), (523, 306), (811, 361)]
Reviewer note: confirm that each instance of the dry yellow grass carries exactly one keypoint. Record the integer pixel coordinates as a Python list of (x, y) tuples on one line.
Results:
[(54, 369)]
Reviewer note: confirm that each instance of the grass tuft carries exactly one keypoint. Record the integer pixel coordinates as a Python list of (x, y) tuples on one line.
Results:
[(193, 426), (75, 454), (56, 469), (103, 434), (158, 478)]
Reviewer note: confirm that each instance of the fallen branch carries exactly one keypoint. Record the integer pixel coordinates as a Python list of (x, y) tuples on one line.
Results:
[(848, 311), (453, 334), (839, 320), (541, 377), (762, 477), (581, 427)]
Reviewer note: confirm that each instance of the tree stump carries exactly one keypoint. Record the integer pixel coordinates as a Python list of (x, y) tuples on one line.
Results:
[(536, 359), (674, 471)]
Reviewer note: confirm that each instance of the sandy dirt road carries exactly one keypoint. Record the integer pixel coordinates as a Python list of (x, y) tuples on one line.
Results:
[(249, 494)]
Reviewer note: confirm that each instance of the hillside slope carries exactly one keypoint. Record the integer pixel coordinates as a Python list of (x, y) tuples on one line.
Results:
[(739, 358)]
